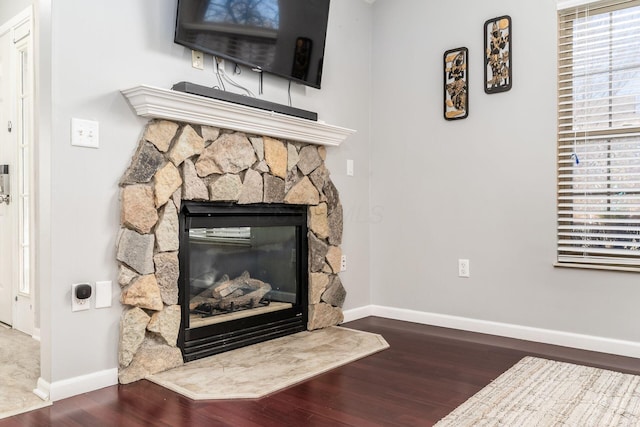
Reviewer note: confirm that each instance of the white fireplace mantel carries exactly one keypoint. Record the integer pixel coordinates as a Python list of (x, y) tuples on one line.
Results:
[(154, 102)]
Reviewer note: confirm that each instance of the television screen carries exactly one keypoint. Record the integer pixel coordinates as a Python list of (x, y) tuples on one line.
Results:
[(282, 37)]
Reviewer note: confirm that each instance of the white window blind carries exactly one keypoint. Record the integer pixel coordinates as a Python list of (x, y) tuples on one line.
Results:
[(599, 135)]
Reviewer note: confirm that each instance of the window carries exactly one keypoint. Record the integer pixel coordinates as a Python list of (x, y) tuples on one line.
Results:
[(599, 135), (24, 126)]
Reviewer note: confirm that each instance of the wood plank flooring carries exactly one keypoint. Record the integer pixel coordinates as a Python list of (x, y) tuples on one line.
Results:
[(427, 372)]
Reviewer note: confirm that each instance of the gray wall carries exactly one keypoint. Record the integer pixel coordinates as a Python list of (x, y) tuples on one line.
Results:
[(482, 188), (102, 46)]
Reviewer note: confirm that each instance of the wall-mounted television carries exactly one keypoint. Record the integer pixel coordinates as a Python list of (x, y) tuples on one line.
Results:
[(281, 37)]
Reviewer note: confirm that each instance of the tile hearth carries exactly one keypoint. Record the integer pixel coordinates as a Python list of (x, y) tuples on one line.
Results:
[(256, 371)]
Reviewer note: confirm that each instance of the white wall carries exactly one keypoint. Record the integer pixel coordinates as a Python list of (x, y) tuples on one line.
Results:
[(10, 8), (42, 160), (102, 46), (481, 188)]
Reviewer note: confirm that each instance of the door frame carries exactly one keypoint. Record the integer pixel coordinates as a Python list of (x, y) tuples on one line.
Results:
[(8, 219), (20, 28)]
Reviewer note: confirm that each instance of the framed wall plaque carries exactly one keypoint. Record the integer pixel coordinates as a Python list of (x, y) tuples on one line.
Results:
[(498, 54), (456, 84)]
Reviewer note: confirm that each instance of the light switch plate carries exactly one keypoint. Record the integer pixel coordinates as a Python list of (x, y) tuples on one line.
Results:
[(84, 133), (103, 294)]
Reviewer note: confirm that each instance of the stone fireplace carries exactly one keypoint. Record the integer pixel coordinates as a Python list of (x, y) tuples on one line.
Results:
[(189, 161)]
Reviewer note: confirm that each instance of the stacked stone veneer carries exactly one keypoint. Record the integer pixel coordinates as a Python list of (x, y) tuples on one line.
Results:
[(177, 161)]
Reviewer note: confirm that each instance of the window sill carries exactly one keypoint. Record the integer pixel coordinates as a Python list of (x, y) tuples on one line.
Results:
[(597, 267)]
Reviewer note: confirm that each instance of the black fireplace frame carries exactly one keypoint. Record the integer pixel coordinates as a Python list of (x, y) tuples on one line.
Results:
[(203, 341)]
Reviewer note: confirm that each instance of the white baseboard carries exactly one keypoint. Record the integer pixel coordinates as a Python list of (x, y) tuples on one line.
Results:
[(357, 313), (77, 385), (547, 336), (43, 389), (73, 386)]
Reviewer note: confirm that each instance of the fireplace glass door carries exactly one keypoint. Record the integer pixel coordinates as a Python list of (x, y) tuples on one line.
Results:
[(243, 274), (236, 272)]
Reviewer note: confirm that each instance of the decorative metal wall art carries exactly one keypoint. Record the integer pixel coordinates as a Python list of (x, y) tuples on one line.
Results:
[(497, 48), (456, 84)]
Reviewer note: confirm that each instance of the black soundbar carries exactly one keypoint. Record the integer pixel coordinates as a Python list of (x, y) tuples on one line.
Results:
[(210, 92)]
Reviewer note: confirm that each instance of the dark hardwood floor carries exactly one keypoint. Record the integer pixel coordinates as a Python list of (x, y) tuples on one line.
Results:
[(427, 372)]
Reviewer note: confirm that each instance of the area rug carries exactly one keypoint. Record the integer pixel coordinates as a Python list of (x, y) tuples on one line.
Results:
[(539, 392), (260, 369), (19, 372)]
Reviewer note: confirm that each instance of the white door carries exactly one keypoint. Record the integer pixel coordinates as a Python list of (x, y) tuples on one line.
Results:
[(7, 264), (16, 142)]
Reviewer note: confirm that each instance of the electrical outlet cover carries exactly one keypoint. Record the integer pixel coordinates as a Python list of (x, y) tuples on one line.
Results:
[(197, 59), (76, 304), (463, 268)]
